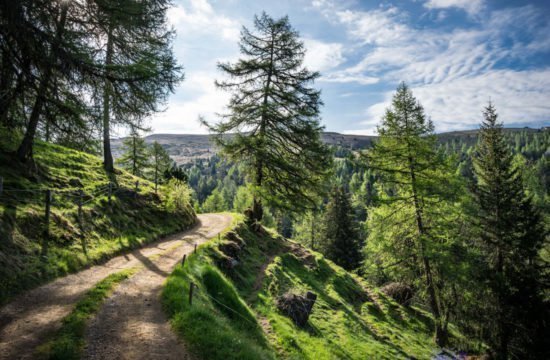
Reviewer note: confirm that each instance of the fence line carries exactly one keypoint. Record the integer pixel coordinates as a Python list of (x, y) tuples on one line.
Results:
[(76, 197)]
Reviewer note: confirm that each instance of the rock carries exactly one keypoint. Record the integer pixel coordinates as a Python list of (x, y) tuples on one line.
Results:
[(75, 182), (230, 248), (401, 293), (233, 236), (227, 263), (297, 307)]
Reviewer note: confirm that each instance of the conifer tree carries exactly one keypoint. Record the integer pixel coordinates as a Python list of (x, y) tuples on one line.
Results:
[(160, 162), (139, 67), (407, 159), (135, 156), (339, 239), (512, 235), (273, 113)]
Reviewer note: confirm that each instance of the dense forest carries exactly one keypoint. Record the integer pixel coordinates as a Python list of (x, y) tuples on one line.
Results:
[(454, 225)]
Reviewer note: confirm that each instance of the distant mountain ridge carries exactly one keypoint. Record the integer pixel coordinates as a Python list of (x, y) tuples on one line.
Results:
[(184, 148)]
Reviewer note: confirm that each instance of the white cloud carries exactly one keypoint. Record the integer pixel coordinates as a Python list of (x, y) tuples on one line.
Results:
[(472, 7), (182, 116), (199, 17), (321, 56), (452, 73), (519, 96), (347, 77)]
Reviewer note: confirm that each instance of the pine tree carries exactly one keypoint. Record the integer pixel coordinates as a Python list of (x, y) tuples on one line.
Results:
[(340, 240), (160, 162), (273, 113), (406, 157), (512, 236), (135, 156)]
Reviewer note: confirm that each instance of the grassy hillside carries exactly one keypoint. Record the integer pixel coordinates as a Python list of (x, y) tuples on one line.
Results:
[(132, 219), (234, 313)]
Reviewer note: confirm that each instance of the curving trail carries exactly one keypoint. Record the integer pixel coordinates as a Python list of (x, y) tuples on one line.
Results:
[(134, 309)]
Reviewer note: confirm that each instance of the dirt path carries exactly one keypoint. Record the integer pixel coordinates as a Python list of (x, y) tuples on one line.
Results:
[(27, 321), (131, 323)]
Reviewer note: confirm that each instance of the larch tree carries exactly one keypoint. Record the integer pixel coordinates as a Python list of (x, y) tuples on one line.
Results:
[(512, 235), (340, 238), (160, 162), (413, 171), (274, 116), (139, 68), (135, 156)]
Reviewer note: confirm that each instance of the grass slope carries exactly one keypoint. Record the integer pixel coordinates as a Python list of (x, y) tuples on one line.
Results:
[(234, 313), (130, 221)]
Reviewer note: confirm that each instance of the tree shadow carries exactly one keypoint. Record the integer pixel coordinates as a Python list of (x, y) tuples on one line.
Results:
[(8, 221), (149, 264)]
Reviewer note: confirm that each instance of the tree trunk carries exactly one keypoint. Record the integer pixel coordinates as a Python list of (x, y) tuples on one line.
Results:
[(134, 157), (257, 208), (503, 335), (107, 155), (440, 333), (24, 153)]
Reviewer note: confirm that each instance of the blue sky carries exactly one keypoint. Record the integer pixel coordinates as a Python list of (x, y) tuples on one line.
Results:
[(455, 55)]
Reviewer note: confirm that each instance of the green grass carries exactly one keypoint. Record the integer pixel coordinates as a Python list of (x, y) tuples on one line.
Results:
[(210, 328), (68, 342), (129, 222), (350, 320)]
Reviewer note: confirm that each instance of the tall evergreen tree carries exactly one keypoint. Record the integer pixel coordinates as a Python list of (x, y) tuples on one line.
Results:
[(339, 239), (512, 236), (160, 162), (406, 157), (137, 51), (273, 113), (135, 156)]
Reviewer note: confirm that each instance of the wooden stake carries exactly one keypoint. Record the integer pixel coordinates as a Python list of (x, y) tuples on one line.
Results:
[(80, 196), (47, 219), (195, 251), (191, 287), (183, 259)]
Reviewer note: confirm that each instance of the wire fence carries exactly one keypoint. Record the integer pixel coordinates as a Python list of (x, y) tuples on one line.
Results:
[(60, 198)]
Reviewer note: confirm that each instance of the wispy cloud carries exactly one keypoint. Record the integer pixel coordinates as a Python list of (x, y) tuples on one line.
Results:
[(472, 7), (453, 73), (198, 16)]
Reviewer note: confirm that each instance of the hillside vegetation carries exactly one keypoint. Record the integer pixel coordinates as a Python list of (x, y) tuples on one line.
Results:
[(234, 313), (130, 220)]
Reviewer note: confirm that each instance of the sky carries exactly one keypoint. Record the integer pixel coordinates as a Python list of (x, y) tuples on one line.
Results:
[(456, 55)]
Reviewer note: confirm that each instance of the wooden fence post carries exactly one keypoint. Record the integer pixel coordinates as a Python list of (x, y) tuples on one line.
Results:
[(183, 259), (195, 251), (191, 287), (47, 219), (80, 196), (81, 222)]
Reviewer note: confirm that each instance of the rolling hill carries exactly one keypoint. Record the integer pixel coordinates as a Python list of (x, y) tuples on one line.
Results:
[(184, 148)]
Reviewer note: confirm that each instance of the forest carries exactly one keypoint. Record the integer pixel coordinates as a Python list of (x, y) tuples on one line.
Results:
[(453, 225)]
